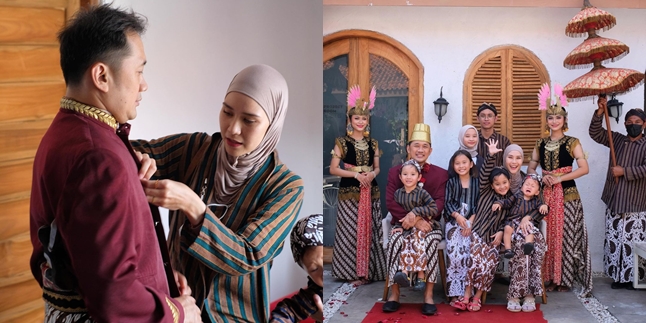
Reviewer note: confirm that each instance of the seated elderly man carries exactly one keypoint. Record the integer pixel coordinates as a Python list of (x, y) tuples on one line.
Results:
[(424, 227)]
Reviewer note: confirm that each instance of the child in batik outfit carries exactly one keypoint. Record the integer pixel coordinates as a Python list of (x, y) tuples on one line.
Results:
[(307, 248), (526, 202), (413, 198)]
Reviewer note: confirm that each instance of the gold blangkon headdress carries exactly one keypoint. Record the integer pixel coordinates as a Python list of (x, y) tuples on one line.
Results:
[(359, 106)]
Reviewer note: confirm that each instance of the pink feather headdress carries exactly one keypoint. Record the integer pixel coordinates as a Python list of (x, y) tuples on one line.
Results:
[(545, 99), (358, 106)]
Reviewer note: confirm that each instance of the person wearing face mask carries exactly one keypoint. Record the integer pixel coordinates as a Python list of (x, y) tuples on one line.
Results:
[(623, 194), (232, 201)]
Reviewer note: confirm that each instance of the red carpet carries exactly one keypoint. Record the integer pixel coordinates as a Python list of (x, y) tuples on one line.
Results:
[(446, 313)]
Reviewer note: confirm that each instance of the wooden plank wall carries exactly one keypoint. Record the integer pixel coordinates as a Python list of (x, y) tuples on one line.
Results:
[(31, 84)]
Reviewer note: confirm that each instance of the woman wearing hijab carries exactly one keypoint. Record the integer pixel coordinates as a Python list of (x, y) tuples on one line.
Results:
[(232, 201), (468, 140)]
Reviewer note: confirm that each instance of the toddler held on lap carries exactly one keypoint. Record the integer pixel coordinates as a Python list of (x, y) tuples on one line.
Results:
[(527, 202)]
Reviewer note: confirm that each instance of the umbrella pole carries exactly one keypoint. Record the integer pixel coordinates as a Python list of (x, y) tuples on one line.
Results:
[(610, 143)]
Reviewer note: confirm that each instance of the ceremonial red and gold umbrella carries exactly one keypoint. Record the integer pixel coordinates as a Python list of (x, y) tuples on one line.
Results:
[(602, 80), (589, 18), (597, 49)]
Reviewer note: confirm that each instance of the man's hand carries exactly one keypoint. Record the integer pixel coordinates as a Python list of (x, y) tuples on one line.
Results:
[(408, 221), (423, 226), (601, 103), (493, 147), (192, 313), (618, 171)]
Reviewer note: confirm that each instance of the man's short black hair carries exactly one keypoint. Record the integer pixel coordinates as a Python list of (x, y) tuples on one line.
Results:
[(96, 34)]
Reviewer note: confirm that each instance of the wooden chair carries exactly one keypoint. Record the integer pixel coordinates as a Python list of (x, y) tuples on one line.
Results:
[(440, 254), (544, 296), (639, 249)]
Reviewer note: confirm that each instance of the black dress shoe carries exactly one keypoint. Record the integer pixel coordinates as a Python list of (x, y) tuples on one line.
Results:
[(629, 286), (429, 309), (618, 285), (390, 306)]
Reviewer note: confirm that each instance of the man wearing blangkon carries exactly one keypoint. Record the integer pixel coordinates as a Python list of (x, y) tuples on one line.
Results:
[(96, 253)]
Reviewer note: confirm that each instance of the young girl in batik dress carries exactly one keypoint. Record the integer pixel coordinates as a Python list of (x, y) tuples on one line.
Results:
[(413, 198), (462, 192)]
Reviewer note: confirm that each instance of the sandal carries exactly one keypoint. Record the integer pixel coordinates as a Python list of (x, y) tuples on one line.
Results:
[(420, 285), (562, 289), (475, 305), (513, 305), (528, 248), (551, 287), (460, 304), (529, 305)]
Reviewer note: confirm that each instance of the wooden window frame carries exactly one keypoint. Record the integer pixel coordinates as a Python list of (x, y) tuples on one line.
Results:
[(506, 52)]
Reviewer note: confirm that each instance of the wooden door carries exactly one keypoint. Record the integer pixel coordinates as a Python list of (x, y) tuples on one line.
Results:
[(370, 59), (31, 85)]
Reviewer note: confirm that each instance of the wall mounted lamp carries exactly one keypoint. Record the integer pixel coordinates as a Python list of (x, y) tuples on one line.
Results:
[(441, 106)]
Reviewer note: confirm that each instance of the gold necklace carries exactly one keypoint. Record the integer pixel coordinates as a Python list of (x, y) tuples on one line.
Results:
[(360, 144), (90, 111), (553, 145)]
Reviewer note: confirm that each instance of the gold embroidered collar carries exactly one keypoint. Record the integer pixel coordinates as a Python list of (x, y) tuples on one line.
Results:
[(90, 111)]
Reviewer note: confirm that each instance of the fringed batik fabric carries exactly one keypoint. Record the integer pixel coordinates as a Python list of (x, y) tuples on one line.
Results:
[(622, 231), (344, 258), (457, 248), (398, 242), (525, 271), (575, 260)]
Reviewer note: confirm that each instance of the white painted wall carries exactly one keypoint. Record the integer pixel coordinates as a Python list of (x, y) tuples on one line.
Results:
[(446, 40), (194, 48)]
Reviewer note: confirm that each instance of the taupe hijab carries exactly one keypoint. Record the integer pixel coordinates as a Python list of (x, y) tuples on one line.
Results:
[(268, 88), (516, 179)]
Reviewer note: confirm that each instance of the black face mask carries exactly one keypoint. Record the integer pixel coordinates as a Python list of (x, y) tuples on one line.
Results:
[(634, 130)]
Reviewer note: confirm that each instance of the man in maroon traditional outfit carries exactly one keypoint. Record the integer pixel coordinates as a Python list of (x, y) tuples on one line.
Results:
[(97, 251), (434, 182)]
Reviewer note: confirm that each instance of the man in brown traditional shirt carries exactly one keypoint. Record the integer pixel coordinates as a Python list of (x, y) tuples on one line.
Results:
[(487, 117), (623, 194)]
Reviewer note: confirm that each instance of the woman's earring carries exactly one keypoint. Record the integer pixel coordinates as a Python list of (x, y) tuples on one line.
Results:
[(366, 132), (349, 130)]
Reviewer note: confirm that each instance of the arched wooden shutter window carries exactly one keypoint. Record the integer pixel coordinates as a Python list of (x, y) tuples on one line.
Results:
[(508, 77)]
